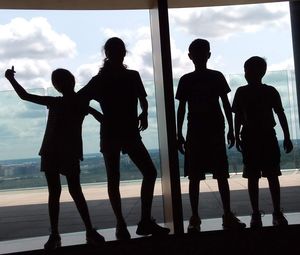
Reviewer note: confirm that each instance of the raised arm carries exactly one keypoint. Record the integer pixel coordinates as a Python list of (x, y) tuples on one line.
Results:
[(143, 117), (228, 114), (180, 120), (22, 93)]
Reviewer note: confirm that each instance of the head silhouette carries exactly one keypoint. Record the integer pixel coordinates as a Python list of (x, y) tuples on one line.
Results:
[(115, 50), (63, 81), (199, 51), (255, 69)]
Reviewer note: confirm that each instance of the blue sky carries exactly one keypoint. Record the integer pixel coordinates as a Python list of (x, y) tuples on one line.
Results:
[(37, 42)]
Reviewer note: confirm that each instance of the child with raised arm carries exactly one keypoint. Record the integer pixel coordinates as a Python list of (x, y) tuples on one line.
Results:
[(254, 122), (61, 150), (205, 149)]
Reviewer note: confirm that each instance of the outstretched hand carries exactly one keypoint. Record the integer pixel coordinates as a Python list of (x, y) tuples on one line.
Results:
[(143, 121), (10, 73), (287, 145)]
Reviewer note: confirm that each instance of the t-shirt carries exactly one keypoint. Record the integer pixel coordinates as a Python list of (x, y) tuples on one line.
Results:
[(63, 134), (118, 93), (256, 104), (202, 91)]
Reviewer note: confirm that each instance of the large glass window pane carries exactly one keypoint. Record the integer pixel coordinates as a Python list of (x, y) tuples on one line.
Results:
[(36, 43), (235, 34), (22, 129)]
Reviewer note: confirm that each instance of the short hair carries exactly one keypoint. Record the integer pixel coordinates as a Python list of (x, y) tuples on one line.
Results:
[(257, 63), (199, 44), (63, 77)]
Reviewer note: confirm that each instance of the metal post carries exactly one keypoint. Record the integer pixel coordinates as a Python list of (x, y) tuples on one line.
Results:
[(166, 115)]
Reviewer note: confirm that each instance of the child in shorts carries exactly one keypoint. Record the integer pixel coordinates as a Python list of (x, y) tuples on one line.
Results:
[(256, 139), (61, 150), (205, 149)]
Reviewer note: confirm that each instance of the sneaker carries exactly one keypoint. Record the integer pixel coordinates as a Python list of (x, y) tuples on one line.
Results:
[(94, 238), (122, 232), (232, 222), (53, 242), (151, 228), (256, 220), (279, 219), (194, 225)]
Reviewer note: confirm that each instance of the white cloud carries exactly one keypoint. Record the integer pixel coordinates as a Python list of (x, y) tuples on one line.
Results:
[(138, 43), (85, 72), (30, 73), (35, 39), (287, 64), (31, 45), (223, 22)]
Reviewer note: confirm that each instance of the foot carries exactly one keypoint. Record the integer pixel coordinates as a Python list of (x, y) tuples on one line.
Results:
[(279, 219), (53, 242), (256, 220), (122, 232), (94, 238), (232, 222), (194, 224), (150, 227)]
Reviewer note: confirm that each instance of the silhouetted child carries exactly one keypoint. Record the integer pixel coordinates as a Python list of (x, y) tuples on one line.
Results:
[(253, 106), (61, 150), (119, 90), (205, 148)]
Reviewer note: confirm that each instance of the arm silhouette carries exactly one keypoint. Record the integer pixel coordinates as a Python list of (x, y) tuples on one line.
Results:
[(96, 114), (237, 129), (287, 143), (22, 93), (143, 117), (180, 120), (228, 114)]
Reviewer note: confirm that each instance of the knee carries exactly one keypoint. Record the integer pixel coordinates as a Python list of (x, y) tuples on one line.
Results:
[(75, 191), (150, 175), (54, 193)]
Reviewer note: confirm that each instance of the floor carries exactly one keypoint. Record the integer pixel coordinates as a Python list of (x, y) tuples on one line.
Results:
[(77, 238), (20, 210)]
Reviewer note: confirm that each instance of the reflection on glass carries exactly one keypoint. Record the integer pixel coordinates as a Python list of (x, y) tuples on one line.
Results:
[(284, 82), (23, 123)]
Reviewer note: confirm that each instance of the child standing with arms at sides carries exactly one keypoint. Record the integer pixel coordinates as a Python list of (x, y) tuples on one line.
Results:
[(204, 148), (61, 150), (254, 121)]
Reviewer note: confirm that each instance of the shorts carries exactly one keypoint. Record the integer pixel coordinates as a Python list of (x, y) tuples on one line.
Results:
[(51, 164), (261, 154), (111, 145), (205, 154)]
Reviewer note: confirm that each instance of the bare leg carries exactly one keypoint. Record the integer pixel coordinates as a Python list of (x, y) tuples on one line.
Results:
[(140, 156), (253, 190), (194, 188), (78, 197), (225, 194), (54, 189), (275, 192), (112, 163)]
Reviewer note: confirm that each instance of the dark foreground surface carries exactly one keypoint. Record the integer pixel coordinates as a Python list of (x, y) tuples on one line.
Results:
[(268, 240)]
